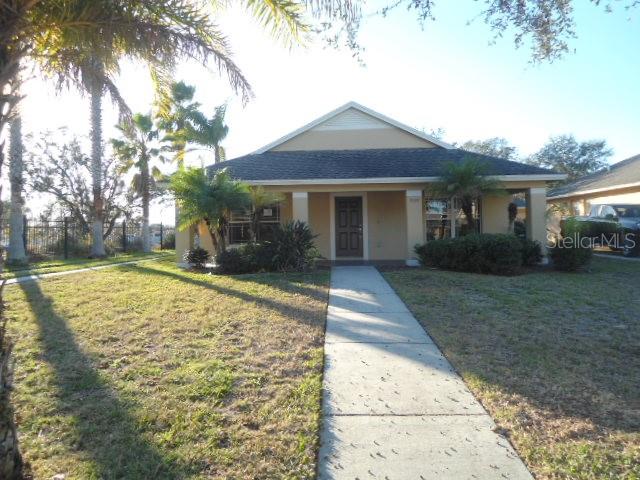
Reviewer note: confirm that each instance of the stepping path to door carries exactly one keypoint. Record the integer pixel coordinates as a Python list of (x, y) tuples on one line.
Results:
[(393, 407)]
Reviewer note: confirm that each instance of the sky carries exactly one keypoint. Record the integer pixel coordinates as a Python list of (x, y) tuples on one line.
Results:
[(447, 74)]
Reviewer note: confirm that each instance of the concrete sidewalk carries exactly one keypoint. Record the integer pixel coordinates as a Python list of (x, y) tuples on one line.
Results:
[(393, 408), (41, 276)]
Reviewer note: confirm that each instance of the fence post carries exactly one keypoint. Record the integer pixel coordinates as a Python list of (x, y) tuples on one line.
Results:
[(161, 235), (25, 225), (66, 237), (124, 235)]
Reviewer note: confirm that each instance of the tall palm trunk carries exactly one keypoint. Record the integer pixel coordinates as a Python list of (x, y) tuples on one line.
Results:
[(10, 458), (97, 246), (467, 209), (16, 254), (145, 184)]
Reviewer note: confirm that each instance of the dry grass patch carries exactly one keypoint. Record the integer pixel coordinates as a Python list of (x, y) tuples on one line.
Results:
[(554, 357), (147, 371)]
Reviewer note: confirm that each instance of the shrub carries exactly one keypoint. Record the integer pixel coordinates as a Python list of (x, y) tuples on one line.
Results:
[(169, 241), (568, 254), (569, 259), (237, 260), (292, 247), (531, 252), (485, 253), (197, 257)]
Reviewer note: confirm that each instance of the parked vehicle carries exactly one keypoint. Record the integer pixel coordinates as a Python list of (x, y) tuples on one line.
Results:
[(616, 226)]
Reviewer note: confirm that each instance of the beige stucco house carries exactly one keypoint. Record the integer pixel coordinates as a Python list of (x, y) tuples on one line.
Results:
[(361, 180), (618, 184)]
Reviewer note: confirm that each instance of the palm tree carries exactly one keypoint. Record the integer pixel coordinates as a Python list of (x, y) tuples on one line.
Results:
[(260, 198), (54, 32), (201, 199), (468, 182), (209, 132), (136, 149), (176, 114), (16, 254)]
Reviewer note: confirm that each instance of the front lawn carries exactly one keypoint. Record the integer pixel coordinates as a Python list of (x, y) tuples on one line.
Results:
[(554, 357), (147, 371), (63, 265)]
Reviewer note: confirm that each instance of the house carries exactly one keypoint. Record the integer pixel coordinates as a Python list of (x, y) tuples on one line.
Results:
[(620, 183), (361, 180)]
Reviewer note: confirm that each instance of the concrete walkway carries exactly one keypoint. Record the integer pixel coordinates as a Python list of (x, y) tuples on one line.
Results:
[(393, 408), (42, 276)]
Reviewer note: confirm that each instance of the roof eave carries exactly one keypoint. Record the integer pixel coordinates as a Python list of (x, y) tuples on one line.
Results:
[(391, 180)]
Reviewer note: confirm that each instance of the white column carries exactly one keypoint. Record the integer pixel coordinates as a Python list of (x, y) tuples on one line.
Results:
[(415, 225), (536, 215), (184, 239), (300, 206)]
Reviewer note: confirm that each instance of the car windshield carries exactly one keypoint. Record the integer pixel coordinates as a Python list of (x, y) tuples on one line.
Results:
[(628, 211)]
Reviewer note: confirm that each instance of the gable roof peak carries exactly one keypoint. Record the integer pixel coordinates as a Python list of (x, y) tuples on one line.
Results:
[(360, 108)]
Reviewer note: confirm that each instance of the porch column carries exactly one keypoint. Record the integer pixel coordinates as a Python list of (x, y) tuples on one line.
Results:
[(184, 239), (536, 215), (415, 226), (300, 206)]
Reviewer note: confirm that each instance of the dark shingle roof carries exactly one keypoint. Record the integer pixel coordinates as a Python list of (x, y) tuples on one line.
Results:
[(351, 164), (621, 173)]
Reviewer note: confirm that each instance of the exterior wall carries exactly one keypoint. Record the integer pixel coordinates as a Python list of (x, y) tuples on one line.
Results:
[(184, 241), (494, 214), (390, 236), (391, 137), (205, 238), (387, 225), (319, 221)]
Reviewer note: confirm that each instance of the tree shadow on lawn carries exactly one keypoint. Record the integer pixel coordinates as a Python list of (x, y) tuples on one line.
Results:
[(544, 337), (105, 428), (298, 313)]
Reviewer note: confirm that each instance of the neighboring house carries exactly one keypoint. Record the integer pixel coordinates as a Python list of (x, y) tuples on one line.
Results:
[(361, 181), (620, 183)]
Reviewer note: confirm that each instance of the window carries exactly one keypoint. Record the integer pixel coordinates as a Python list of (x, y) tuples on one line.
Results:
[(607, 211), (595, 210), (445, 218), (438, 214), (240, 224), (627, 211)]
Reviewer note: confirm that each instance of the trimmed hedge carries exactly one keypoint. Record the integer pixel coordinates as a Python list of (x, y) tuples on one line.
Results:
[(570, 259), (498, 254)]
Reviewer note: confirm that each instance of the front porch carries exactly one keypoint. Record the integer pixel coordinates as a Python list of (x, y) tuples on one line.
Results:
[(380, 223)]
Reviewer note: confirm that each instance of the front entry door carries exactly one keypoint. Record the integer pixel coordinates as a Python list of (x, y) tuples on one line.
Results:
[(349, 227)]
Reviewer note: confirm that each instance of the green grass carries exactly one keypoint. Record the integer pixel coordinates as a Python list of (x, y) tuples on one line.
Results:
[(147, 371), (62, 265), (554, 357)]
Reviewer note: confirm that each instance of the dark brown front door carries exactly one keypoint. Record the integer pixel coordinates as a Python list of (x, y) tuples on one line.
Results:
[(349, 227)]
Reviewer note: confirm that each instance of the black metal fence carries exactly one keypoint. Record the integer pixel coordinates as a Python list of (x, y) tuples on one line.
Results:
[(67, 239)]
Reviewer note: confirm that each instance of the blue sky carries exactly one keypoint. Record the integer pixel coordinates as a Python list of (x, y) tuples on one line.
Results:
[(445, 75)]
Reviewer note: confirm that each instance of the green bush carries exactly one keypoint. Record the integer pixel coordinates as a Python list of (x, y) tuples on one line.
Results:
[(197, 257), (498, 254), (292, 248), (531, 252), (235, 261), (568, 254), (570, 259), (169, 241)]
